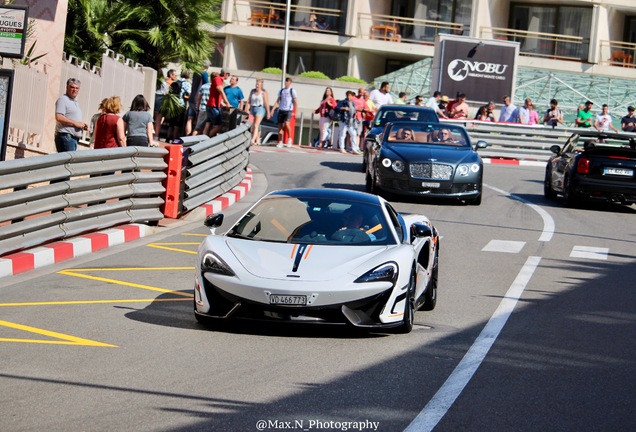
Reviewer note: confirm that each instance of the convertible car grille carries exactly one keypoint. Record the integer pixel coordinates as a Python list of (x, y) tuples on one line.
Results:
[(431, 171)]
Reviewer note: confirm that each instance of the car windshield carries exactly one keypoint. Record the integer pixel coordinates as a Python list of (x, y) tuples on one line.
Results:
[(288, 219), (434, 134), (393, 113)]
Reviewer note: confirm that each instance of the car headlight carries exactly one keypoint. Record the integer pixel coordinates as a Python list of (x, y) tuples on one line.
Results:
[(386, 162), (465, 169), (387, 272), (214, 264), (398, 166)]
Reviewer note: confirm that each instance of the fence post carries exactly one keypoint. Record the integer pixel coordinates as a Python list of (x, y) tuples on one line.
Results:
[(172, 182)]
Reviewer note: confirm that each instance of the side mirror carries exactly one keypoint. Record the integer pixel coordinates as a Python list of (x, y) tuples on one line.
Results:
[(482, 144), (555, 149), (419, 230), (213, 221)]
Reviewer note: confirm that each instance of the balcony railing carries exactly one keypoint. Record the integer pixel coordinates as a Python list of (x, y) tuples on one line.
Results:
[(272, 15), (397, 29), (615, 53), (538, 44)]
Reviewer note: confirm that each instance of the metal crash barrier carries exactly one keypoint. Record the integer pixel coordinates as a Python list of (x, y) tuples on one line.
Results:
[(56, 196)]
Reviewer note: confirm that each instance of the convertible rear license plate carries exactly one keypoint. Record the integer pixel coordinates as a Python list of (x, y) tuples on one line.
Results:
[(618, 171), (430, 185), (292, 300)]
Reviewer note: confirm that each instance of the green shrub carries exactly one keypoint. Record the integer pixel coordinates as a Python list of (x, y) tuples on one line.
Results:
[(347, 78), (273, 70), (314, 74)]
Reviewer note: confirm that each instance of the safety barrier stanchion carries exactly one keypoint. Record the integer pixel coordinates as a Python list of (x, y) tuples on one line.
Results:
[(172, 183)]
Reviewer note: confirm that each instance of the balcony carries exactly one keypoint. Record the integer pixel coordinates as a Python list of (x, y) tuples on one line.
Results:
[(615, 53), (272, 15), (536, 44), (410, 30)]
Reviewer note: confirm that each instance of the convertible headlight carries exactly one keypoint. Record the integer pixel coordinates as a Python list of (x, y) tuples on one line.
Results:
[(387, 272), (465, 169), (398, 166), (386, 162), (214, 264)]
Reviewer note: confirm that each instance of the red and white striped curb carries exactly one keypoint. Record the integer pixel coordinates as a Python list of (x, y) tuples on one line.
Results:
[(30, 259), (54, 253), (520, 162), (229, 198)]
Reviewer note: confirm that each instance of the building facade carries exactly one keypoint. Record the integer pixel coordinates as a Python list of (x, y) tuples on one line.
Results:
[(371, 38)]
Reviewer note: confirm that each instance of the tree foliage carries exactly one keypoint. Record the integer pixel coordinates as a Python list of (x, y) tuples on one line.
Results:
[(150, 32)]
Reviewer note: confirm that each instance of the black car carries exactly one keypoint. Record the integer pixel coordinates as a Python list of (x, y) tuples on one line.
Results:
[(391, 113), (426, 159), (595, 166)]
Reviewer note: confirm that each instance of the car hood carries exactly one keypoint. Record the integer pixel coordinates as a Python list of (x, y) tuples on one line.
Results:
[(414, 153), (305, 262)]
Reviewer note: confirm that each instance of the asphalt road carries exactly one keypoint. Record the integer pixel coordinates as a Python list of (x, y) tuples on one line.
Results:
[(535, 329)]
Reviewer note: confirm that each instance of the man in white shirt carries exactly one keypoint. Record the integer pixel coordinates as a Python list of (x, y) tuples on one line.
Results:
[(381, 96), (509, 112), (433, 103), (603, 122)]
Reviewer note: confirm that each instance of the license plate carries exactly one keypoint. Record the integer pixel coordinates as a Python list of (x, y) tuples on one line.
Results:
[(430, 185), (292, 300), (618, 171)]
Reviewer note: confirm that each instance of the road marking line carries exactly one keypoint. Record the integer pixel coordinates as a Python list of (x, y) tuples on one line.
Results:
[(439, 405), (589, 252), (128, 269), (548, 222), (504, 246), (194, 235), (119, 282), (65, 339), (165, 247), (88, 302)]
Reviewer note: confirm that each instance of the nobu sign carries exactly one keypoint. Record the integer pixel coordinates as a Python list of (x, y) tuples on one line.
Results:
[(484, 70)]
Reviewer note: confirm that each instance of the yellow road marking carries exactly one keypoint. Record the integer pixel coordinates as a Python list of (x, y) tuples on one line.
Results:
[(128, 269), (165, 247), (84, 302), (119, 282), (65, 339), (194, 235)]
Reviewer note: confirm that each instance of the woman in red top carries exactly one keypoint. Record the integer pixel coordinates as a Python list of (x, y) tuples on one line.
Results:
[(327, 104), (109, 128)]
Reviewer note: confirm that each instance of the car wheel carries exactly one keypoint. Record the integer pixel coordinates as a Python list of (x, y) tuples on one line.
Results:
[(370, 184), (409, 307), (548, 193), (430, 295), (568, 199)]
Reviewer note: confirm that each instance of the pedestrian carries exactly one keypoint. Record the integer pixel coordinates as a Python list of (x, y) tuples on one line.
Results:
[(443, 103), (234, 93), (484, 113), (94, 117), (346, 120), (524, 114), (381, 96), (160, 94), (418, 101), (200, 103), (138, 123), (401, 100), (603, 122), (181, 96), (216, 102), (287, 99), (584, 116), (326, 112), (433, 103), (258, 107), (628, 122), (361, 106), (109, 129), (369, 113), (533, 115), (458, 109), (509, 112), (68, 117), (553, 115), (192, 112)]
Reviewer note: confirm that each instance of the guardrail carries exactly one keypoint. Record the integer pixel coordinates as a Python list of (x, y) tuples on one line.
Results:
[(515, 141), (60, 195), (46, 198)]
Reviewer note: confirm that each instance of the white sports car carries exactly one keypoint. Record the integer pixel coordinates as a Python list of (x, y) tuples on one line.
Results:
[(319, 255)]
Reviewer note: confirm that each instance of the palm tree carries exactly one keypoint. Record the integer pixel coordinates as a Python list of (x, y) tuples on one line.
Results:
[(150, 32)]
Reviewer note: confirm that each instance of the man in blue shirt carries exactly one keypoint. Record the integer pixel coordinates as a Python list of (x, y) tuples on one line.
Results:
[(509, 112), (234, 93)]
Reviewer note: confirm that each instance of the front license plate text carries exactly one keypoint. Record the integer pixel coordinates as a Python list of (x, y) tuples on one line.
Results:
[(430, 185), (292, 300)]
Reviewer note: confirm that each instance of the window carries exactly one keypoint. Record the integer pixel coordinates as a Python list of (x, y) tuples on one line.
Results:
[(301, 12), (556, 20), (453, 11)]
